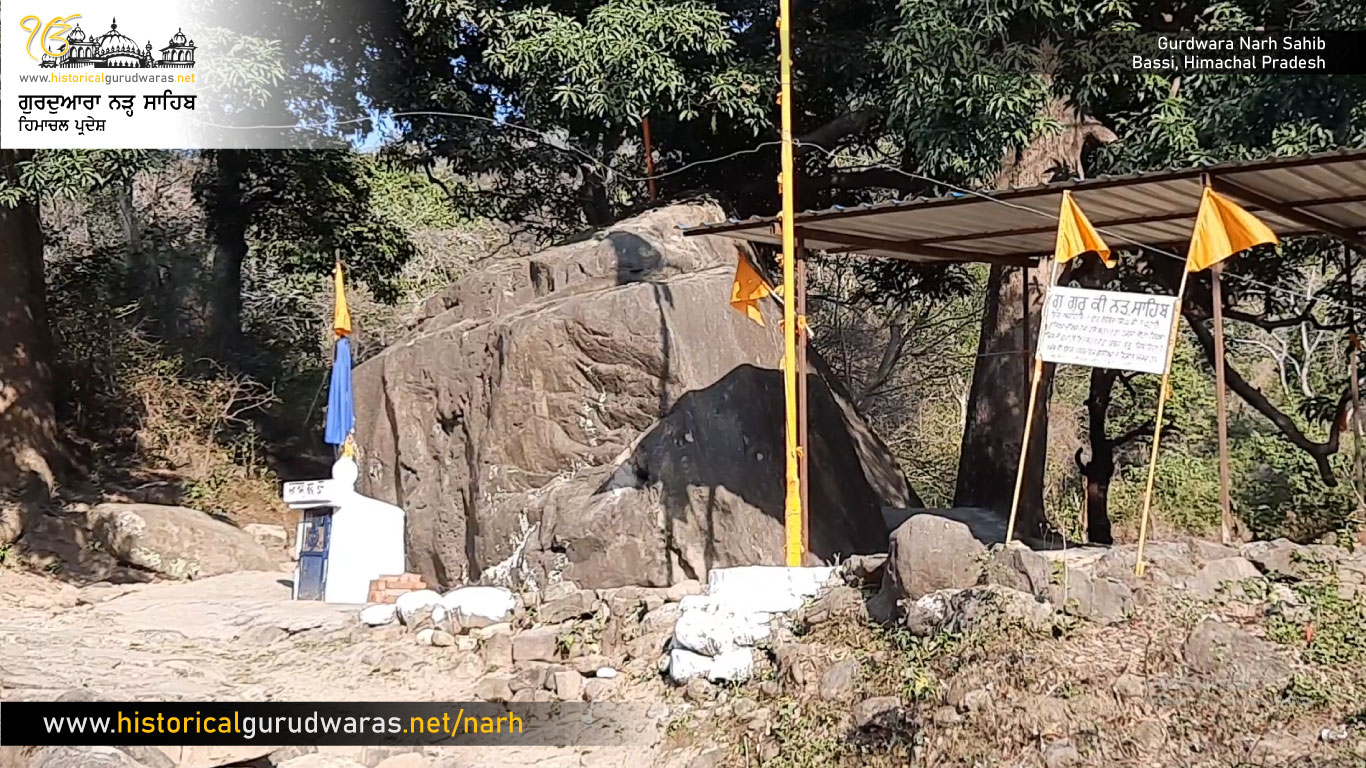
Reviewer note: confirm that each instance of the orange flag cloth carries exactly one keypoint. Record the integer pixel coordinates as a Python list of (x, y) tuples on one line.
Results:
[(1076, 235), (341, 315), (749, 287), (1223, 228)]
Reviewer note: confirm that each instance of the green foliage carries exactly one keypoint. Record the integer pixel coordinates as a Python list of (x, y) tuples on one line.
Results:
[(968, 82), (246, 70), (1281, 492), (306, 209), (1331, 630), (407, 198), (72, 173), (809, 736), (624, 59)]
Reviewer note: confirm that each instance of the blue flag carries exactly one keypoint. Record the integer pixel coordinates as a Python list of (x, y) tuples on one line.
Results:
[(341, 411)]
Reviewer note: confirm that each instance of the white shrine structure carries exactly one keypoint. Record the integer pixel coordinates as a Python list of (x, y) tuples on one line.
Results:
[(345, 540)]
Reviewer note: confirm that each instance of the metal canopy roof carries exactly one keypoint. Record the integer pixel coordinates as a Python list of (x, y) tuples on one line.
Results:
[(1323, 193)]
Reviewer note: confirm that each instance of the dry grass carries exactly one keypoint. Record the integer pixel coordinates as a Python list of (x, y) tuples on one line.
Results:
[(195, 431), (1045, 691)]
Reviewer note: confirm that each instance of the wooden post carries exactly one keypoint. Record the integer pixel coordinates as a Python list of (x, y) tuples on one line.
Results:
[(1025, 346), (1033, 398), (803, 432), (1085, 499), (1353, 373), (1157, 424), (792, 505), (649, 159), (1221, 406)]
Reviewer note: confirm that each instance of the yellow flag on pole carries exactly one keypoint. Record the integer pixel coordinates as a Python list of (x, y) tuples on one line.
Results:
[(1076, 235), (341, 315), (749, 287), (1223, 228)]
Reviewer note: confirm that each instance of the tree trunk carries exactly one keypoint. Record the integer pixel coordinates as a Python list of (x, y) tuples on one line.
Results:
[(999, 395), (28, 423), (1100, 470), (230, 219), (128, 222), (597, 209), (990, 453)]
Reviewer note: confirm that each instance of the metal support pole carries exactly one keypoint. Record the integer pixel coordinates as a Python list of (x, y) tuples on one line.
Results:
[(1221, 406), (792, 512), (1025, 346), (803, 432), (1353, 373)]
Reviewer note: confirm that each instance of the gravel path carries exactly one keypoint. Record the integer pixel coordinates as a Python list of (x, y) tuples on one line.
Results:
[(239, 637)]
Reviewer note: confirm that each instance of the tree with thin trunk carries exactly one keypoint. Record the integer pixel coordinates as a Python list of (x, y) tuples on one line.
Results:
[(302, 210), (990, 454), (28, 426)]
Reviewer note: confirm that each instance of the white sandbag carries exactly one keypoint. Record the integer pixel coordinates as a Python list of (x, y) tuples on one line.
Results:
[(480, 606), (378, 615), (736, 665), (409, 603), (444, 619), (699, 603), (766, 588), (684, 665), (714, 632)]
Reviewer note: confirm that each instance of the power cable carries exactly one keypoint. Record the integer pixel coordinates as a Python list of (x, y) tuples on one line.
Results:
[(556, 142)]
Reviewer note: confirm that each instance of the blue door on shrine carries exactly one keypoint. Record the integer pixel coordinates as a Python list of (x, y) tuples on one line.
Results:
[(313, 553)]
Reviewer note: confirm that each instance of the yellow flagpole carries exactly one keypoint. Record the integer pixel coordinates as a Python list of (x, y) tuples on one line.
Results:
[(1157, 425), (792, 508)]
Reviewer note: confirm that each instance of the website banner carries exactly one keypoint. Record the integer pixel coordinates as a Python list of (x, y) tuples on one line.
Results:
[(113, 75), (322, 723), (189, 74)]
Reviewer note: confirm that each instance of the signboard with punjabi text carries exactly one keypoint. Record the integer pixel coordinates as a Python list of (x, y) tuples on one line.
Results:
[(1107, 329)]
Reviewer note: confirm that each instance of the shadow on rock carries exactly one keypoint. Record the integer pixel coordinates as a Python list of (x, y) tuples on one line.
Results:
[(716, 458)]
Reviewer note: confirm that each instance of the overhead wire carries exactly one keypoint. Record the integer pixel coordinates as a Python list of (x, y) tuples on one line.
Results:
[(549, 138)]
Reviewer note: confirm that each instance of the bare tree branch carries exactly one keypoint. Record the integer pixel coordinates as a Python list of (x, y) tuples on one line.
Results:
[(891, 354), (1259, 402), (862, 178), (1142, 430), (848, 124)]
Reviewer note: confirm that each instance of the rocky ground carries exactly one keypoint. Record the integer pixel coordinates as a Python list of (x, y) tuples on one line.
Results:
[(946, 651), (237, 637)]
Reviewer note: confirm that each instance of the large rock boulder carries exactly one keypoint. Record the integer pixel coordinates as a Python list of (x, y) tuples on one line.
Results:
[(939, 549), (67, 757), (599, 411), (1236, 659), (176, 542)]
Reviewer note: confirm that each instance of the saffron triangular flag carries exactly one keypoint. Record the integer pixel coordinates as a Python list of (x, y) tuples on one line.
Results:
[(341, 315), (1076, 235), (747, 289), (1223, 228)]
